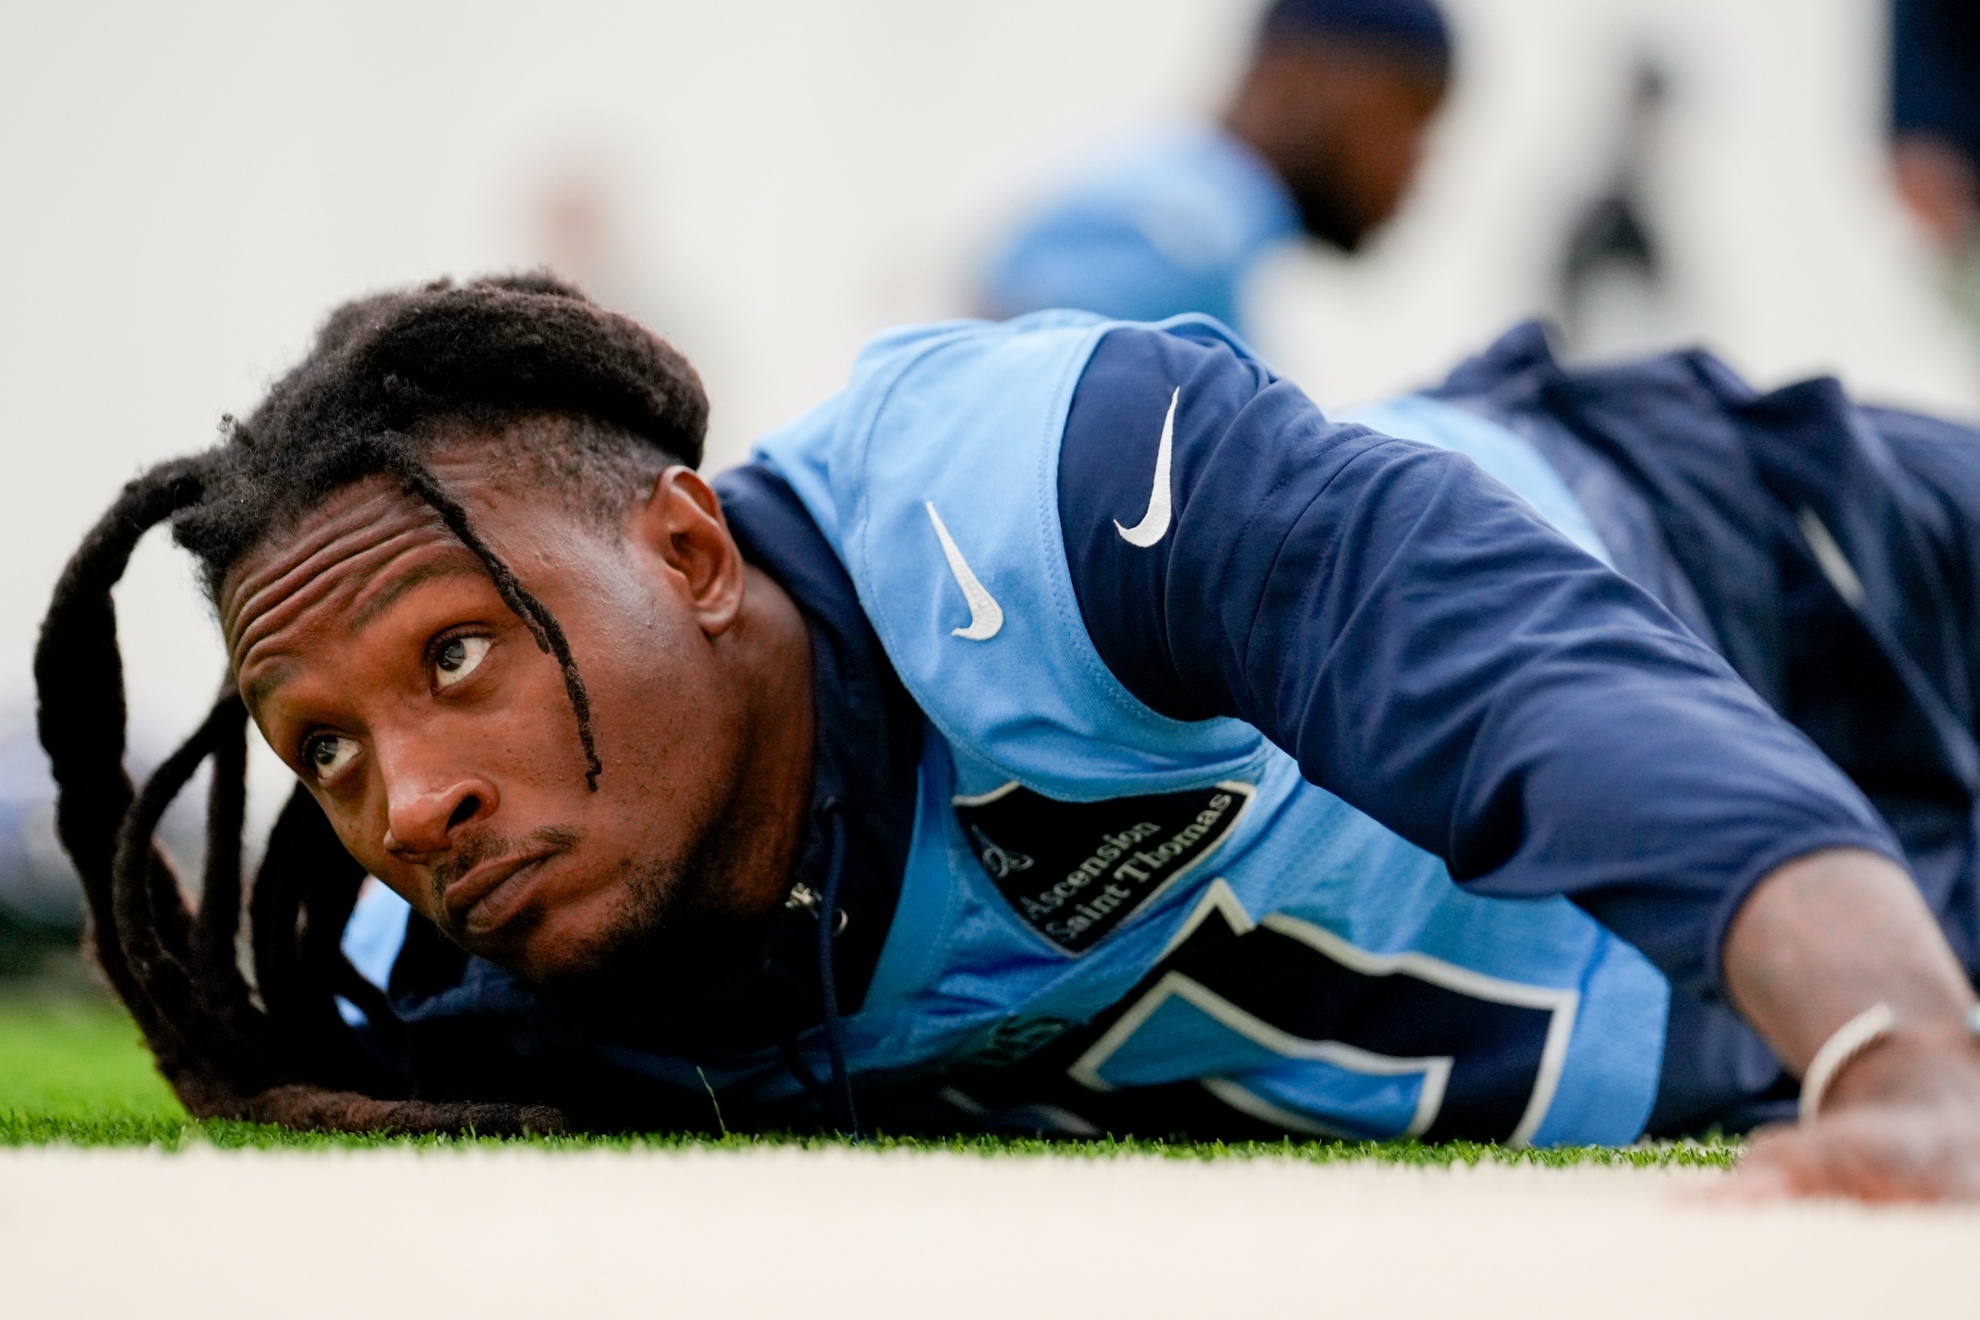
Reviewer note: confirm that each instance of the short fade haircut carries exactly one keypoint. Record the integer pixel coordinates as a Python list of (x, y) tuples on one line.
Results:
[(527, 363), (1411, 29)]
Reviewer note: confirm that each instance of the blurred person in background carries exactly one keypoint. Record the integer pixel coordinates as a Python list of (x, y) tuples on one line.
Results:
[(1322, 137), (1935, 133), (1614, 296)]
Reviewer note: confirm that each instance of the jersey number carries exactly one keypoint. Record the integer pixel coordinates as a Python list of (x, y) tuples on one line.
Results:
[(1231, 997)]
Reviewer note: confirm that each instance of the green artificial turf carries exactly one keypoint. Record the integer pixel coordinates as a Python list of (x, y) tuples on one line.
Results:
[(74, 1072), (75, 1069)]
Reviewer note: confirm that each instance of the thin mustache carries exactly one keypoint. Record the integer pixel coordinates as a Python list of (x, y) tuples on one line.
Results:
[(473, 851)]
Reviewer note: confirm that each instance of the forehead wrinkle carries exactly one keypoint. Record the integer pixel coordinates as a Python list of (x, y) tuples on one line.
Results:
[(462, 564), (304, 579), (356, 592), (328, 532), (320, 562)]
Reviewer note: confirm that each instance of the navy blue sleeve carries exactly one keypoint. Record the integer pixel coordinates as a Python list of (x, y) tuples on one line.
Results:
[(1432, 652)]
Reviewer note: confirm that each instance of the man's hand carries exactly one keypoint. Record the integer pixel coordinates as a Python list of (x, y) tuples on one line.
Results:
[(1817, 942), (1902, 1124)]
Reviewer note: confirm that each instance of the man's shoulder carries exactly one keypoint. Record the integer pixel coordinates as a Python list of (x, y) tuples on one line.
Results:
[(923, 395), (1105, 352), (1135, 362), (935, 477)]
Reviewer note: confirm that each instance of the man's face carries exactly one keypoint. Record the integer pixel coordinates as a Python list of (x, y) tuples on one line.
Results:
[(1364, 116), (381, 664)]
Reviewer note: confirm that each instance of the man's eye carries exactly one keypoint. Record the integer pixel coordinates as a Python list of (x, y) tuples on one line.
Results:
[(457, 659), (327, 753)]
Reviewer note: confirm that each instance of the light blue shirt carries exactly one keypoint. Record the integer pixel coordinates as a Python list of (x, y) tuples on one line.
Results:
[(1174, 225), (935, 478)]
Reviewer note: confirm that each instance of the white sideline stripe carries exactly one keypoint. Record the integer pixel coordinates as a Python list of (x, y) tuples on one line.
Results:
[(207, 1235)]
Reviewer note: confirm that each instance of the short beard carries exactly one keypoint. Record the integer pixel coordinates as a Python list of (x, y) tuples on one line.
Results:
[(661, 941), (1327, 211)]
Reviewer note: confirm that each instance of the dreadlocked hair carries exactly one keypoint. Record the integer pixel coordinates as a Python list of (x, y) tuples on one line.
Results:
[(388, 377)]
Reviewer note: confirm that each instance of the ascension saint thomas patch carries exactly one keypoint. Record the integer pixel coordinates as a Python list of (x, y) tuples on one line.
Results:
[(1076, 870)]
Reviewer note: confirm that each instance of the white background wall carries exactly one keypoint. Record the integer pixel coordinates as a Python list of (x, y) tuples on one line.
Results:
[(186, 189)]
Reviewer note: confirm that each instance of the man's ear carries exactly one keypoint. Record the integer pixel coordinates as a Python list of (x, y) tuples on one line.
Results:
[(681, 524)]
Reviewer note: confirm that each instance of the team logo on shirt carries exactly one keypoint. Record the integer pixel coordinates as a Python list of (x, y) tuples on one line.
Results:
[(1076, 870), (1154, 524), (986, 616)]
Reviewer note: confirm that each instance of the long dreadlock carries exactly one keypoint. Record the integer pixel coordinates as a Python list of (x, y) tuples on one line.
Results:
[(387, 377)]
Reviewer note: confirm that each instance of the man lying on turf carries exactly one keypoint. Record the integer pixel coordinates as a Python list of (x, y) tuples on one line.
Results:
[(1064, 727)]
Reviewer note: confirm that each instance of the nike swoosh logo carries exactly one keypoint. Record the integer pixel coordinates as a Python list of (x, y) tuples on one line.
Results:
[(1154, 524), (986, 616)]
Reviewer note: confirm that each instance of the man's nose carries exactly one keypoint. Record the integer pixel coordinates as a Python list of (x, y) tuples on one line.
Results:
[(425, 815)]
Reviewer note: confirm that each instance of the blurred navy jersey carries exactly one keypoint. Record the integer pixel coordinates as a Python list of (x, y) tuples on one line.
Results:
[(1831, 552), (1173, 225), (1273, 774)]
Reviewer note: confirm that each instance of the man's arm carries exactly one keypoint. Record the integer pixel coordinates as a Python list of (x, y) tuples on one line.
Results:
[(1817, 942), (1433, 653)]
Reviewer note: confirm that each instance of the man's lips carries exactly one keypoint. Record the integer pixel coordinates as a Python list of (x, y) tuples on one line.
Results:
[(491, 893)]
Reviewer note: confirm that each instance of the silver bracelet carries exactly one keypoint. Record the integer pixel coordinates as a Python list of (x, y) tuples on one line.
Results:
[(1850, 1039)]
